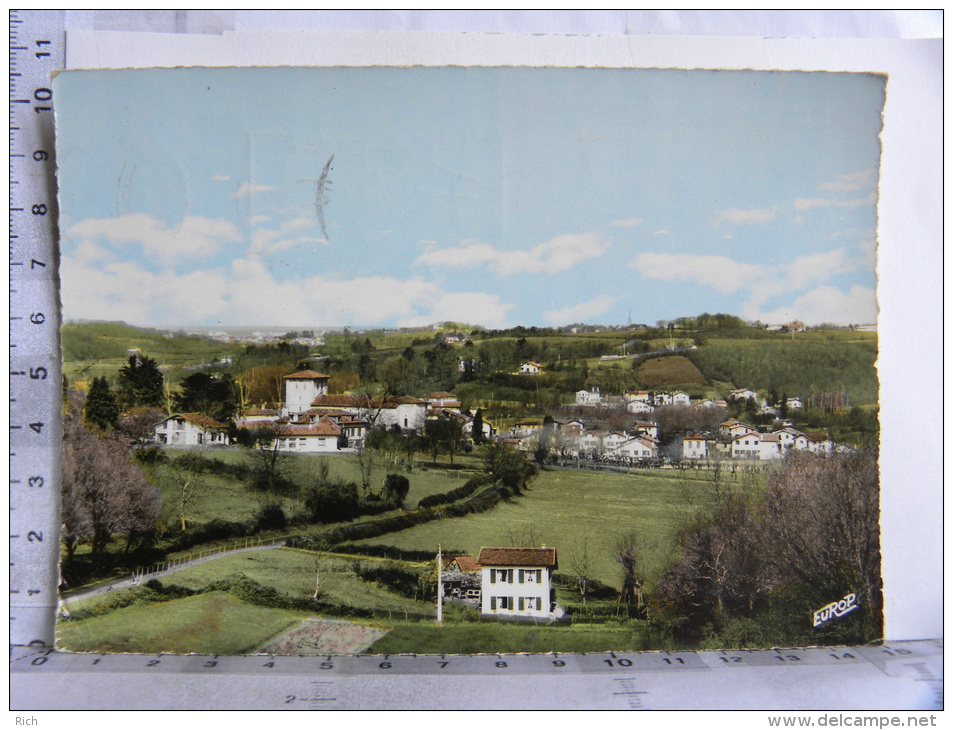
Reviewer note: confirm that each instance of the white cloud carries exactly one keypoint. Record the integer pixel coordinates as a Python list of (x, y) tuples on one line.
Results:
[(764, 283), (194, 237), (220, 177), (815, 268), (661, 232), (558, 254), (248, 188), (740, 217), (803, 204), (627, 222), (247, 292), (582, 312), (826, 304), (719, 272), (851, 181)]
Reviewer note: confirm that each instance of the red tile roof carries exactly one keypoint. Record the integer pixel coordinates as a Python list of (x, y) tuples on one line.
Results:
[(543, 556), (306, 375), (362, 401), (466, 563), (324, 427)]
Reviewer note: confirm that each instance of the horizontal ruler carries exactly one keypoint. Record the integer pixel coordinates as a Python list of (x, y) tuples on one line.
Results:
[(896, 675)]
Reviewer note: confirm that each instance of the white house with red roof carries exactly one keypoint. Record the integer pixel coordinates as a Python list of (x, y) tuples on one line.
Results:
[(191, 429), (530, 368), (694, 446), (639, 406), (746, 446), (517, 582), (320, 437)]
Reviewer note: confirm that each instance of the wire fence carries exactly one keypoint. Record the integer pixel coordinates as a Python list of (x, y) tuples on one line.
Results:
[(249, 543)]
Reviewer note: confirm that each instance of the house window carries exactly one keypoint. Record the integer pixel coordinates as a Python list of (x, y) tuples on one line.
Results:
[(503, 603), (501, 575)]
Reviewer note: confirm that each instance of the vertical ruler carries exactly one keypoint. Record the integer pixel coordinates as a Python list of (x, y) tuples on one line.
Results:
[(37, 39)]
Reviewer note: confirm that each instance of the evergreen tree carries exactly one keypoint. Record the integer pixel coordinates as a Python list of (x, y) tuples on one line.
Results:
[(476, 433), (102, 411), (141, 383)]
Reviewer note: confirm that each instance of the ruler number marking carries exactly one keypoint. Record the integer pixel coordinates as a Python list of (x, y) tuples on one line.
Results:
[(41, 54)]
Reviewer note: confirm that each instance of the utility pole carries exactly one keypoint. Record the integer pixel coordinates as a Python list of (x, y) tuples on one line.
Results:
[(439, 586)]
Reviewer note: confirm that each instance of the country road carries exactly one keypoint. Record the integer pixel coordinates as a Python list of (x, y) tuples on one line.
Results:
[(129, 581)]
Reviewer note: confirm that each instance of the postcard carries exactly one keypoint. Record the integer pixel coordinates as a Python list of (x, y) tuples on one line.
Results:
[(468, 359)]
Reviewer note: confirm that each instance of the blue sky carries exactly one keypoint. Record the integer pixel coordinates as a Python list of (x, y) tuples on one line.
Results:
[(489, 196)]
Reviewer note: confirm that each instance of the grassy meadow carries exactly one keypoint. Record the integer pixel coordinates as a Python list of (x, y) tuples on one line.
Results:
[(564, 507), (209, 623)]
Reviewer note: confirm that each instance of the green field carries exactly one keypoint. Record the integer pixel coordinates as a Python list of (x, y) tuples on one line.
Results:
[(292, 572), (210, 623), (563, 506), (230, 499), (93, 350), (488, 637), (812, 362)]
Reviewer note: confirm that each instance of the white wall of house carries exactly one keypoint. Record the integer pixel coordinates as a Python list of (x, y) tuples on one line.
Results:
[(179, 432), (307, 444), (747, 446), (694, 448), (300, 392), (515, 591), (639, 406)]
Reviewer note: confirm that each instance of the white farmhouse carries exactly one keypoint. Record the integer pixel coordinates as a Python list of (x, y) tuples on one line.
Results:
[(320, 437), (681, 399), (770, 447), (662, 399), (517, 582), (530, 368), (694, 446), (746, 446), (819, 442), (639, 406), (640, 447), (588, 397), (191, 429)]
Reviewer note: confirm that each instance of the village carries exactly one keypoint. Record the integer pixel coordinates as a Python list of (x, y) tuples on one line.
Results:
[(309, 420)]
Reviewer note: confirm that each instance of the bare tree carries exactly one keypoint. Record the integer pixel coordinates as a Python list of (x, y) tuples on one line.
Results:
[(627, 555), (581, 563), (184, 486), (104, 492), (366, 466)]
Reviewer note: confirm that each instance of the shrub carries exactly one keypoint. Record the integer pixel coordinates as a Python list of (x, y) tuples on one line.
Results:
[(270, 517)]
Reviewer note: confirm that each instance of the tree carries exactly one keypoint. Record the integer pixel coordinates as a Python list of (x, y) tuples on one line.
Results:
[(139, 423), (101, 409), (184, 485), (507, 465), (396, 487), (141, 383), (581, 565), (476, 432), (208, 394), (627, 555), (454, 440), (269, 466), (104, 492)]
